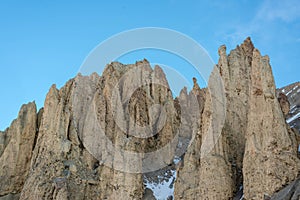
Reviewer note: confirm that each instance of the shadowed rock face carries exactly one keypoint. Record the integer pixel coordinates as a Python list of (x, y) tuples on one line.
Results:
[(292, 191), (241, 144), (292, 109)]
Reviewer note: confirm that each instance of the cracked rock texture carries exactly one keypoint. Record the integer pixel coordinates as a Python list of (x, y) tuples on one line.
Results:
[(64, 155), (68, 162), (255, 153), (271, 148), (17, 143), (98, 137)]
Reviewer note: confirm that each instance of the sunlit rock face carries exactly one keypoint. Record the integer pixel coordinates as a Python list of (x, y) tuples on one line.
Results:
[(256, 153), (123, 135)]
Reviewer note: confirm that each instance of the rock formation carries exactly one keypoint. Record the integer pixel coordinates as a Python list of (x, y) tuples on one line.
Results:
[(255, 154), (68, 162), (222, 165), (292, 108), (292, 191), (271, 148), (99, 137), (17, 143), (284, 103)]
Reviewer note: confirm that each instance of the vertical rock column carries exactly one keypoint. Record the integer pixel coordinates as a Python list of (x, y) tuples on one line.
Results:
[(270, 160), (218, 173), (16, 153)]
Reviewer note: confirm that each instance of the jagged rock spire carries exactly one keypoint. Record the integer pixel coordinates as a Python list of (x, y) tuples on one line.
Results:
[(255, 146)]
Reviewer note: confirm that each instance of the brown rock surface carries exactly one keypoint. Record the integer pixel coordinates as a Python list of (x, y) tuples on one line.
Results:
[(17, 141), (292, 92), (221, 165), (98, 137), (69, 161), (291, 192), (186, 182), (284, 103), (269, 159)]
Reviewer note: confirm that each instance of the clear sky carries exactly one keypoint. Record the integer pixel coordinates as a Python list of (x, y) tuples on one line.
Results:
[(45, 42)]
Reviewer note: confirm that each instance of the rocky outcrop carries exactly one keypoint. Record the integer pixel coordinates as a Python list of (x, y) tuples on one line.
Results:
[(292, 92), (292, 191), (73, 160), (108, 136), (284, 103), (185, 182), (221, 166), (255, 152), (271, 150), (17, 143)]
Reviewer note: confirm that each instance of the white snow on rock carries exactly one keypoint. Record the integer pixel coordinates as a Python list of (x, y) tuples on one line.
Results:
[(164, 189), (293, 109), (287, 94), (176, 160), (295, 87), (293, 118), (294, 106)]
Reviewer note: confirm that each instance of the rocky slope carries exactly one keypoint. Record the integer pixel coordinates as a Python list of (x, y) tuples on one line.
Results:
[(292, 92), (122, 135)]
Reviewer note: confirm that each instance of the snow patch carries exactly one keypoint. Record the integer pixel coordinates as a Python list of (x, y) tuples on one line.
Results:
[(287, 94), (293, 118), (295, 87), (176, 160), (164, 189), (294, 106)]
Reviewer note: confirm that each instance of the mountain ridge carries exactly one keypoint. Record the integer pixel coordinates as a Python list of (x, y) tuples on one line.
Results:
[(54, 148)]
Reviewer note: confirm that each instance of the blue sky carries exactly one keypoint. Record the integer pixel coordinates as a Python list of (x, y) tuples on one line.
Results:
[(45, 42)]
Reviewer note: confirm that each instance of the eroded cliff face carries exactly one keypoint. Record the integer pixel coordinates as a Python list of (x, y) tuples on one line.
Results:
[(291, 93), (99, 137), (17, 143), (73, 160), (256, 153), (271, 148), (186, 182), (221, 166)]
